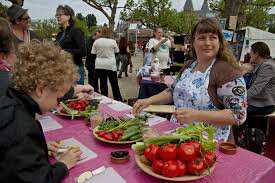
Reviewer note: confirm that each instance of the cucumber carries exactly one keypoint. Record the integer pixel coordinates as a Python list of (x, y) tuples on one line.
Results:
[(132, 128), (135, 137), (127, 136)]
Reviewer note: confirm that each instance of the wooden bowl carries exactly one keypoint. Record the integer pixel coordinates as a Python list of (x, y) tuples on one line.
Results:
[(148, 170)]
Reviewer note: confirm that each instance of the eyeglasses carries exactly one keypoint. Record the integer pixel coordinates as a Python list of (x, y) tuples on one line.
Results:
[(25, 18)]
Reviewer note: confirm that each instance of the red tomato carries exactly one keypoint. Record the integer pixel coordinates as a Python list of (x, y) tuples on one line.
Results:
[(186, 152), (158, 166), (196, 167), (181, 168), (101, 133), (108, 136), (170, 169), (151, 152), (210, 158), (71, 104), (119, 132), (77, 106), (115, 136), (82, 109), (168, 152), (197, 147)]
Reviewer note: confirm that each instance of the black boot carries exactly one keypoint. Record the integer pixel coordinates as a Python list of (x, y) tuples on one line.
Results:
[(119, 75)]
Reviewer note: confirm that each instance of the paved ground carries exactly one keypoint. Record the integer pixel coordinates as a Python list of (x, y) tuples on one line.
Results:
[(128, 85)]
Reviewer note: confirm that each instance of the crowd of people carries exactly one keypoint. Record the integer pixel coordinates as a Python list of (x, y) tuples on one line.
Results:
[(36, 74)]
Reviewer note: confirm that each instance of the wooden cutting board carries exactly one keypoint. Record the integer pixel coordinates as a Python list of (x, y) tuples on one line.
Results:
[(160, 108)]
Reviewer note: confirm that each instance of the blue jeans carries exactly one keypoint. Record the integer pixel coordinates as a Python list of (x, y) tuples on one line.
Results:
[(81, 72)]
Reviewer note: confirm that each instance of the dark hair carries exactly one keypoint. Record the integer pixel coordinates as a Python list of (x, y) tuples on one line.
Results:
[(123, 44), (210, 25), (67, 11), (6, 40), (156, 28), (261, 49)]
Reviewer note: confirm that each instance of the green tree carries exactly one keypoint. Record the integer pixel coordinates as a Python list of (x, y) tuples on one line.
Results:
[(45, 28), (107, 7), (91, 20), (250, 12), (182, 22), (79, 16), (152, 13), (81, 24)]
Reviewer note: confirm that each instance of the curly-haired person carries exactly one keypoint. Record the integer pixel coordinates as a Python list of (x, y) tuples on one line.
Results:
[(42, 74)]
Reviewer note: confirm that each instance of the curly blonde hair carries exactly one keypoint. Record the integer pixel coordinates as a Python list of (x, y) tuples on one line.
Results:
[(43, 65)]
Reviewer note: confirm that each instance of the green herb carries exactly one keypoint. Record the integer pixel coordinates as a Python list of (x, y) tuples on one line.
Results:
[(107, 125), (202, 133)]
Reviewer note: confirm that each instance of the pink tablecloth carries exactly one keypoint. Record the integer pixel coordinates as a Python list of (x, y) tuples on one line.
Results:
[(243, 167), (168, 80)]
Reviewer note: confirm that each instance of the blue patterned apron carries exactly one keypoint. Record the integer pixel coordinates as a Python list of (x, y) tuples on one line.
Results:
[(191, 91)]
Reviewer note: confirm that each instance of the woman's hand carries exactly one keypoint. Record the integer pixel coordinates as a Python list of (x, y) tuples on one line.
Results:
[(84, 88), (140, 105), (186, 115), (53, 148), (164, 40), (70, 158)]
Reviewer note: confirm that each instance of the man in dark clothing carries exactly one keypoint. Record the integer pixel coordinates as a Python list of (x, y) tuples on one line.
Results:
[(90, 61)]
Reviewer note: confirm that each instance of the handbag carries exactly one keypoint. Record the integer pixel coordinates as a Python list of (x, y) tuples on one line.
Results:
[(252, 139)]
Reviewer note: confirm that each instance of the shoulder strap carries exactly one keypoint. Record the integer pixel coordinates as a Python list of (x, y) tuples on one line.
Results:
[(185, 66)]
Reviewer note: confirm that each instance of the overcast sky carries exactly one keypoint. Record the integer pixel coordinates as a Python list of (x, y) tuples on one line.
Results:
[(43, 9)]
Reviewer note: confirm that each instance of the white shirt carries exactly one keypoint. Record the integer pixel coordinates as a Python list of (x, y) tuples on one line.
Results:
[(105, 50), (163, 52)]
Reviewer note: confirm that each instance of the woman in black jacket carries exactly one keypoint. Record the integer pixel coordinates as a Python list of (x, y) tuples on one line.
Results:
[(71, 38), (42, 74)]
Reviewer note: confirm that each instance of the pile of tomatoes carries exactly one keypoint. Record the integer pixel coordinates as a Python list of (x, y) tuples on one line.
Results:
[(112, 136), (172, 160), (79, 105)]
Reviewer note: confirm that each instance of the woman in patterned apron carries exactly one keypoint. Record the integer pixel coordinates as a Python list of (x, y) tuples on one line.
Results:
[(209, 88)]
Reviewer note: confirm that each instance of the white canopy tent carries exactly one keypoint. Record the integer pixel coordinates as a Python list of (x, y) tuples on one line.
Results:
[(253, 35)]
